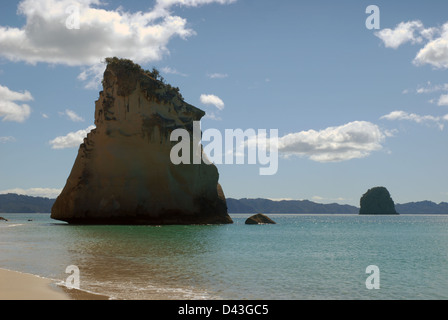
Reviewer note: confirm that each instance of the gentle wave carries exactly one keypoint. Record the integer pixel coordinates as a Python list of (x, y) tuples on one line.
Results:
[(131, 291), (11, 225), (62, 284)]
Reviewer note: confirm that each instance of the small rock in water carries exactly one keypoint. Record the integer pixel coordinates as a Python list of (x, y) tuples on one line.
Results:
[(260, 219)]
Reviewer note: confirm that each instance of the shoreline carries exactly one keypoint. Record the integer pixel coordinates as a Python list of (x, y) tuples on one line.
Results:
[(16, 285)]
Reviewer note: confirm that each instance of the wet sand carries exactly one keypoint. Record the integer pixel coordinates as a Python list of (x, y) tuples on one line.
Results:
[(21, 286)]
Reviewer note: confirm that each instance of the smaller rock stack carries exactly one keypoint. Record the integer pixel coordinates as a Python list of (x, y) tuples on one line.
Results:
[(377, 201)]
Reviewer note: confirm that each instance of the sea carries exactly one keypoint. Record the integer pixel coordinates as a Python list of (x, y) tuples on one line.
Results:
[(302, 257)]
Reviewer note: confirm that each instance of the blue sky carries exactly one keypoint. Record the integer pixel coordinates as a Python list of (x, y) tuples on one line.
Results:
[(355, 108)]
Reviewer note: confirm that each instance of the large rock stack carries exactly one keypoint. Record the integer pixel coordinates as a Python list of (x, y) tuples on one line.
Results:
[(123, 173)]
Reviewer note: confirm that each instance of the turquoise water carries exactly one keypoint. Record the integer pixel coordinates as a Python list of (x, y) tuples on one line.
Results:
[(302, 257)]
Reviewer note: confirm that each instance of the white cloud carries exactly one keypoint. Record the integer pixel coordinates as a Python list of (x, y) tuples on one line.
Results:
[(327, 200), (210, 99), (9, 109), (403, 32), (35, 192), (71, 140), (45, 37), (169, 70), (72, 116), (140, 36), (443, 100), (435, 52), (403, 115), (429, 88), (430, 33), (281, 199), (7, 139), (212, 116), (217, 75), (92, 75), (350, 141), (7, 94), (390, 133), (189, 3)]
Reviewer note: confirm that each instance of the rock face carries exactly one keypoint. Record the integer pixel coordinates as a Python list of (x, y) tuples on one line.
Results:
[(123, 173), (377, 201), (259, 219)]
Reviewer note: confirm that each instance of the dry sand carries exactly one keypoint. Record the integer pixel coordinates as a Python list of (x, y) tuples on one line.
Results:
[(21, 286)]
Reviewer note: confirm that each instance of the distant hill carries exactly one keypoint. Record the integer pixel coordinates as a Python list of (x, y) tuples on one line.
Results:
[(423, 207), (305, 206), (14, 203), (287, 206)]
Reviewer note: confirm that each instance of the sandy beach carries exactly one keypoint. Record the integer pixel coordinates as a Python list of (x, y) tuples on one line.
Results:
[(20, 286)]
